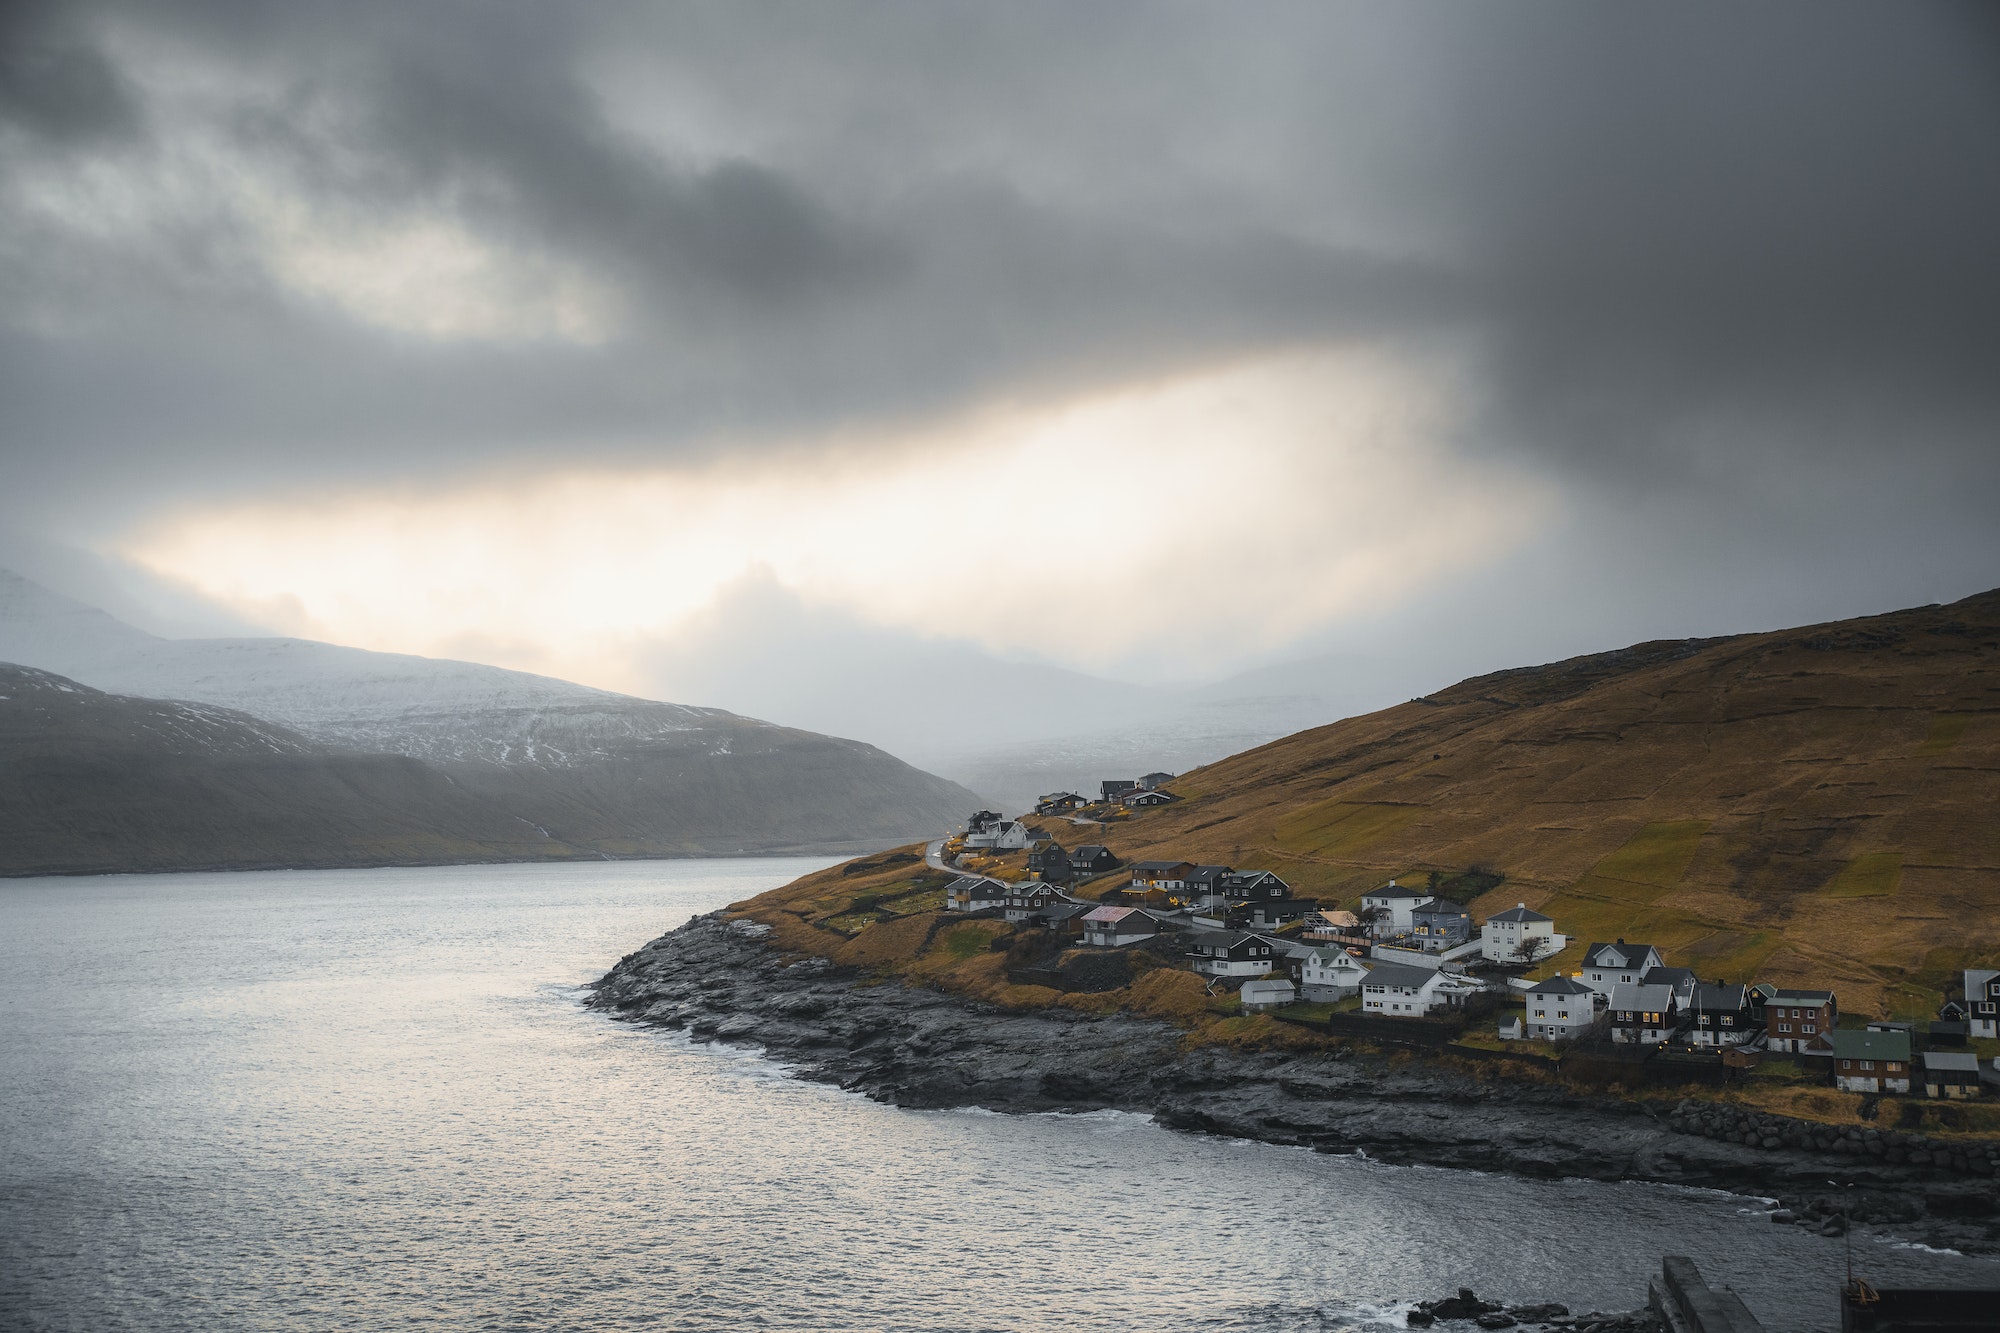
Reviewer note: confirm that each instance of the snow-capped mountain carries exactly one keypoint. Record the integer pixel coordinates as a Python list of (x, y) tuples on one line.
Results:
[(598, 770)]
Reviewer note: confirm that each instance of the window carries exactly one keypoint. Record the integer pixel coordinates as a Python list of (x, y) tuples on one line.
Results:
[(1867, 1064), (1784, 1027)]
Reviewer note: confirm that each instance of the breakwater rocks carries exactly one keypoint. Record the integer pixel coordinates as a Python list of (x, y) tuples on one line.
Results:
[(920, 1048), (1919, 1157)]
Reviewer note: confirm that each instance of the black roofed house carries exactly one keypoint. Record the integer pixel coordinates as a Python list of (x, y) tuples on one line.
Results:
[(1721, 1015), (1947, 1032), (1231, 953), (1060, 802), (1148, 797), (1168, 877), (1113, 788), (1206, 882), (1951, 1074), (971, 893), (982, 820), (1440, 924), (1271, 913), (1155, 779), (1682, 979), (1609, 965), (1982, 1000), (1048, 856), (1091, 859), (1644, 1015), (1251, 885), (1063, 917), (1027, 898)]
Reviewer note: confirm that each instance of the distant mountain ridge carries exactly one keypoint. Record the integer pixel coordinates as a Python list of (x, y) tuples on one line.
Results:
[(598, 772), (93, 782)]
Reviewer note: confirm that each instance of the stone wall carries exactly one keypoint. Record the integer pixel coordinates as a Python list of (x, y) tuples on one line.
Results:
[(1761, 1129)]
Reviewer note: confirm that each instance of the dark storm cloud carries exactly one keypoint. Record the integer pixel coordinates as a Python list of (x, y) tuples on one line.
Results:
[(1688, 242)]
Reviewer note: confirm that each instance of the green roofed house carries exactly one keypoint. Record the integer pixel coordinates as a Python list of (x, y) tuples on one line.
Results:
[(1868, 1061)]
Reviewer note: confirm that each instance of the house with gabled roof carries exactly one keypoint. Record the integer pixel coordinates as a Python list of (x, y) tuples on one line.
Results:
[(1205, 884), (971, 893), (1145, 797), (1266, 993), (1394, 990), (1644, 1015), (1681, 979), (1951, 1074), (1026, 899), (1559, 1009), (1155, 779), (1982, 1000), (1050, 862), (1245, 886), (1440, 925), (1092, 859), (1110, 926), (1797, 1020), (1168, 877), (1331, 974), (1869, 1061), (1231, 953), (1389, 909), (1060, 803), (1721, 1015), (1112, 789), (1520, 935), (1618, 964)]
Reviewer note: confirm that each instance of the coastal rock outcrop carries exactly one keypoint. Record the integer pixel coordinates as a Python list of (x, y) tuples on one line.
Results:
[(925, 1048)]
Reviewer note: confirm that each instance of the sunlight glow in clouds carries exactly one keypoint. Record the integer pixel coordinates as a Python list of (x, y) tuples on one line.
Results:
[(1164, 530)]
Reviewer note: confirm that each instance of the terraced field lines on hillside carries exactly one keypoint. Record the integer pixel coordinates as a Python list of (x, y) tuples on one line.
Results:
[(1616, 897), (1946, 731), (1870, 875), (1340, 829)]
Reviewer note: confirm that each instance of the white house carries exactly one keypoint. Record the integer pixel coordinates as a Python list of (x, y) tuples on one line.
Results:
[(1267, 994), (1331, 974), (1560, 1009), (1520, 935), (1113, 926), (1606, 966), (1391, 909), (1396, 991), (1982, 1001)]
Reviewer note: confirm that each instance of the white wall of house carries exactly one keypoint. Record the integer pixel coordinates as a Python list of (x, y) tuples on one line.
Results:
[(1401, 1001), (1500, 941), (1865, 1079), (1982, 1004), (1399, 910), (1601, 978), (1331, 974), (1559, 1016)]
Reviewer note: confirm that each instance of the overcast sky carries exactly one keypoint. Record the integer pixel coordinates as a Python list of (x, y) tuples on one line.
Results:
[(650, 344)]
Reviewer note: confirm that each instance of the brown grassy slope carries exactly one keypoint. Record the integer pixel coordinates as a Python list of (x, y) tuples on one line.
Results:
[(1808, 806), (1811, 805)]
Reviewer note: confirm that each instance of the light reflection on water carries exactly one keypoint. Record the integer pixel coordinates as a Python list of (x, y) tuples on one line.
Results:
[(370, 1099)]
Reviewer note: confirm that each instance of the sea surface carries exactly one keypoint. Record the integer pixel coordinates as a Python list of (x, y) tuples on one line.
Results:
[(372, 1100)]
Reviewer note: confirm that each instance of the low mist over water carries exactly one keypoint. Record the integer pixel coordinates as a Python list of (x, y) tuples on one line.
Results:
[(370, 1099)]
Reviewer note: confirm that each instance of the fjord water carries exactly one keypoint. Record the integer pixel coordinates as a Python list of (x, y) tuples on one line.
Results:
[(371, 1100)]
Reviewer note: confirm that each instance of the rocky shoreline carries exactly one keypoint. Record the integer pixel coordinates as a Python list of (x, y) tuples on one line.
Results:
[(717, 980)]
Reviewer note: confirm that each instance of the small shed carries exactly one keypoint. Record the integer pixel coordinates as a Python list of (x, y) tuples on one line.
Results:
[(1952, 1074), (1267, 994)]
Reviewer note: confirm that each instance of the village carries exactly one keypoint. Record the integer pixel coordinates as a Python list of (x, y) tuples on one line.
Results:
[(1410, 966)]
